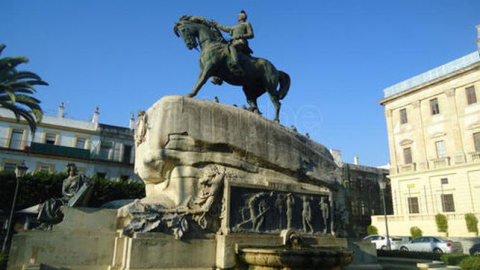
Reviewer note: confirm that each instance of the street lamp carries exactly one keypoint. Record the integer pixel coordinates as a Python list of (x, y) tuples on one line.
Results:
[(20, 172), (382, 183)]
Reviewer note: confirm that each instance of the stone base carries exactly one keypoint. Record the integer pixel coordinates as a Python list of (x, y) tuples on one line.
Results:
[(83, 241), (91, 239), (159, 251)]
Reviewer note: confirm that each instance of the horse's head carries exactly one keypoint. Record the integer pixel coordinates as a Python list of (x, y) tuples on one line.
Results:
[(188, 31)]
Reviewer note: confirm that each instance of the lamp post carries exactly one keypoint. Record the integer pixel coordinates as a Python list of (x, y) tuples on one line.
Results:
[(382, 183), (20, 172)]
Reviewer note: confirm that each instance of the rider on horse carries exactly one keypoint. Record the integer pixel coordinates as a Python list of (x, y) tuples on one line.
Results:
[(240, 34)]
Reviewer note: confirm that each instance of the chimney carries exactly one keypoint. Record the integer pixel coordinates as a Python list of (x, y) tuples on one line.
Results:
[(355, 160), (337, 157), (478, 38), (131, 123), (95, 115), (61, 110)]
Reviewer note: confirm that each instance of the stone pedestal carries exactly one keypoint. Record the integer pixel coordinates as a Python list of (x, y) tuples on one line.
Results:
[(219, 179)]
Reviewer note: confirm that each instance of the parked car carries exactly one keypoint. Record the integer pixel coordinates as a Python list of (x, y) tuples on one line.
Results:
[(475, 250), (432, 244), (380, 241)]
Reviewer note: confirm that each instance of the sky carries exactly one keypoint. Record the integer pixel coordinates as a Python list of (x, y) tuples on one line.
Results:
[(123, 56)]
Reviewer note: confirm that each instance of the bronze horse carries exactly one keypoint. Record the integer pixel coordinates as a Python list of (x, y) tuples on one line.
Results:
[(258, 76)]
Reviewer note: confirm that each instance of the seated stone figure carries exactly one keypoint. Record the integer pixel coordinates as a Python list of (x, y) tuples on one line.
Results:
[(75, 192)]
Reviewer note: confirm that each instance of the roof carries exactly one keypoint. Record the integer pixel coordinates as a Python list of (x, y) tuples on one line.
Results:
[(433, 74)]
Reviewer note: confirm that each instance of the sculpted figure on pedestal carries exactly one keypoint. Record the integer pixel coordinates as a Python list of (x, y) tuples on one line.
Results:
[(75, 189)]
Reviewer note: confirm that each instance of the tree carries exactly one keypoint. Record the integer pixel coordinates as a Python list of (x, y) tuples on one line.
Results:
[(16, 88)]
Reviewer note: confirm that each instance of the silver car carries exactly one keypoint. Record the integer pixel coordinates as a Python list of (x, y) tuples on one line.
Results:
[(380, 241), (432, 244)]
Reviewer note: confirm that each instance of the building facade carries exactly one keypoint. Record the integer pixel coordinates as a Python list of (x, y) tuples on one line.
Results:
[(97, 149), (433, 124), (363, 193)]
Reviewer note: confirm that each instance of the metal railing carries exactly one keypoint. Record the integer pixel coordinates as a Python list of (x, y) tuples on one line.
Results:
[(475, 156)]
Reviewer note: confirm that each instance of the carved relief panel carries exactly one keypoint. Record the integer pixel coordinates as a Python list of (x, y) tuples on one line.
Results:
[(260, 211)]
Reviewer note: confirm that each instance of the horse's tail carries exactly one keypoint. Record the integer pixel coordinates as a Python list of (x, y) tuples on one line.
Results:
[(284, 80)]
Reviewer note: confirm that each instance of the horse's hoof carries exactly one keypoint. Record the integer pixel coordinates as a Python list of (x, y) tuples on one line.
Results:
[(190, 95)]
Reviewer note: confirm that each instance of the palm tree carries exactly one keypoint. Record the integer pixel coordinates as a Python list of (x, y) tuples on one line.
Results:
[(16, 88)]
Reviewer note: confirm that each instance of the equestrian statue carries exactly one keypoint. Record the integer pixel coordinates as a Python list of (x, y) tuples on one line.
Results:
[(231, 61)]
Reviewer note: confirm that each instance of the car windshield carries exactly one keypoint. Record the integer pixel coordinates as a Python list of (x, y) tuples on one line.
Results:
[(440, 239)]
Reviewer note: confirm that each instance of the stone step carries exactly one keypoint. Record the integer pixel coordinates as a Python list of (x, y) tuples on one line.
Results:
[(394, 263), (431, 265)]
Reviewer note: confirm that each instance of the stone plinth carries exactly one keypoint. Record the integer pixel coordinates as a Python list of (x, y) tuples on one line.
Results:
[(179, 131), (83, 241), (218, 178)]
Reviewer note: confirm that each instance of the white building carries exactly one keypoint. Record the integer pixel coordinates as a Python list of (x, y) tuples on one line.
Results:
[(433, 124), (96, 149)]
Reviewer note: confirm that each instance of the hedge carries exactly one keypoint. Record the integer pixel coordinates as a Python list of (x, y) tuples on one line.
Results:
[(38, 187), (453, 259), (470, 263)]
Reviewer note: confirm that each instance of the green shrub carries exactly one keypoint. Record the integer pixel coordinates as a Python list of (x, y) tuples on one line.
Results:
[(415, 232), (442, 223), (3, 261), (372, 230), (453, 259), (472, 223), (40, 186), (410, 254), (470, 263), (106, 190)]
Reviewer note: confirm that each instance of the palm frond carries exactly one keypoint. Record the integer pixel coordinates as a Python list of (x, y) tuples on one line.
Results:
[(22, 113), (20, 75), (12, 62), (15, 88)]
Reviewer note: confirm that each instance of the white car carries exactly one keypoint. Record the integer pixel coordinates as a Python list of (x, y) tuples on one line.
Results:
[(380, 241), (432, 244)]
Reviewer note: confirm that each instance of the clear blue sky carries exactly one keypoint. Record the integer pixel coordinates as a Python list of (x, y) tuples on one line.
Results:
[(123, 56)]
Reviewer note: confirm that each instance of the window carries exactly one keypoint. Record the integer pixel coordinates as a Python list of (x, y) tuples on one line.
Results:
[(16, 139), (9, 167), (471, 95), (50, 138), (82, 170), (127, 153), (117, 151), (476, 141), (444, 181), (447, 203), (418, 240), (105, 147), (407, 155), (440, 145), (403, 116), (80, 143), (44, 168), (413, 205), (434, 106)]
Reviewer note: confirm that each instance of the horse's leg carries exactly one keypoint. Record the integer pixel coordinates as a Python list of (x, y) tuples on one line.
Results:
[(252, 100), (202, 79), (276, 103)]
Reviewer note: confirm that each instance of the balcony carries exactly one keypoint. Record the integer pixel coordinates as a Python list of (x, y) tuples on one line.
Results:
[(406, 168), (57, 150), (474, 156), (440, 162)]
